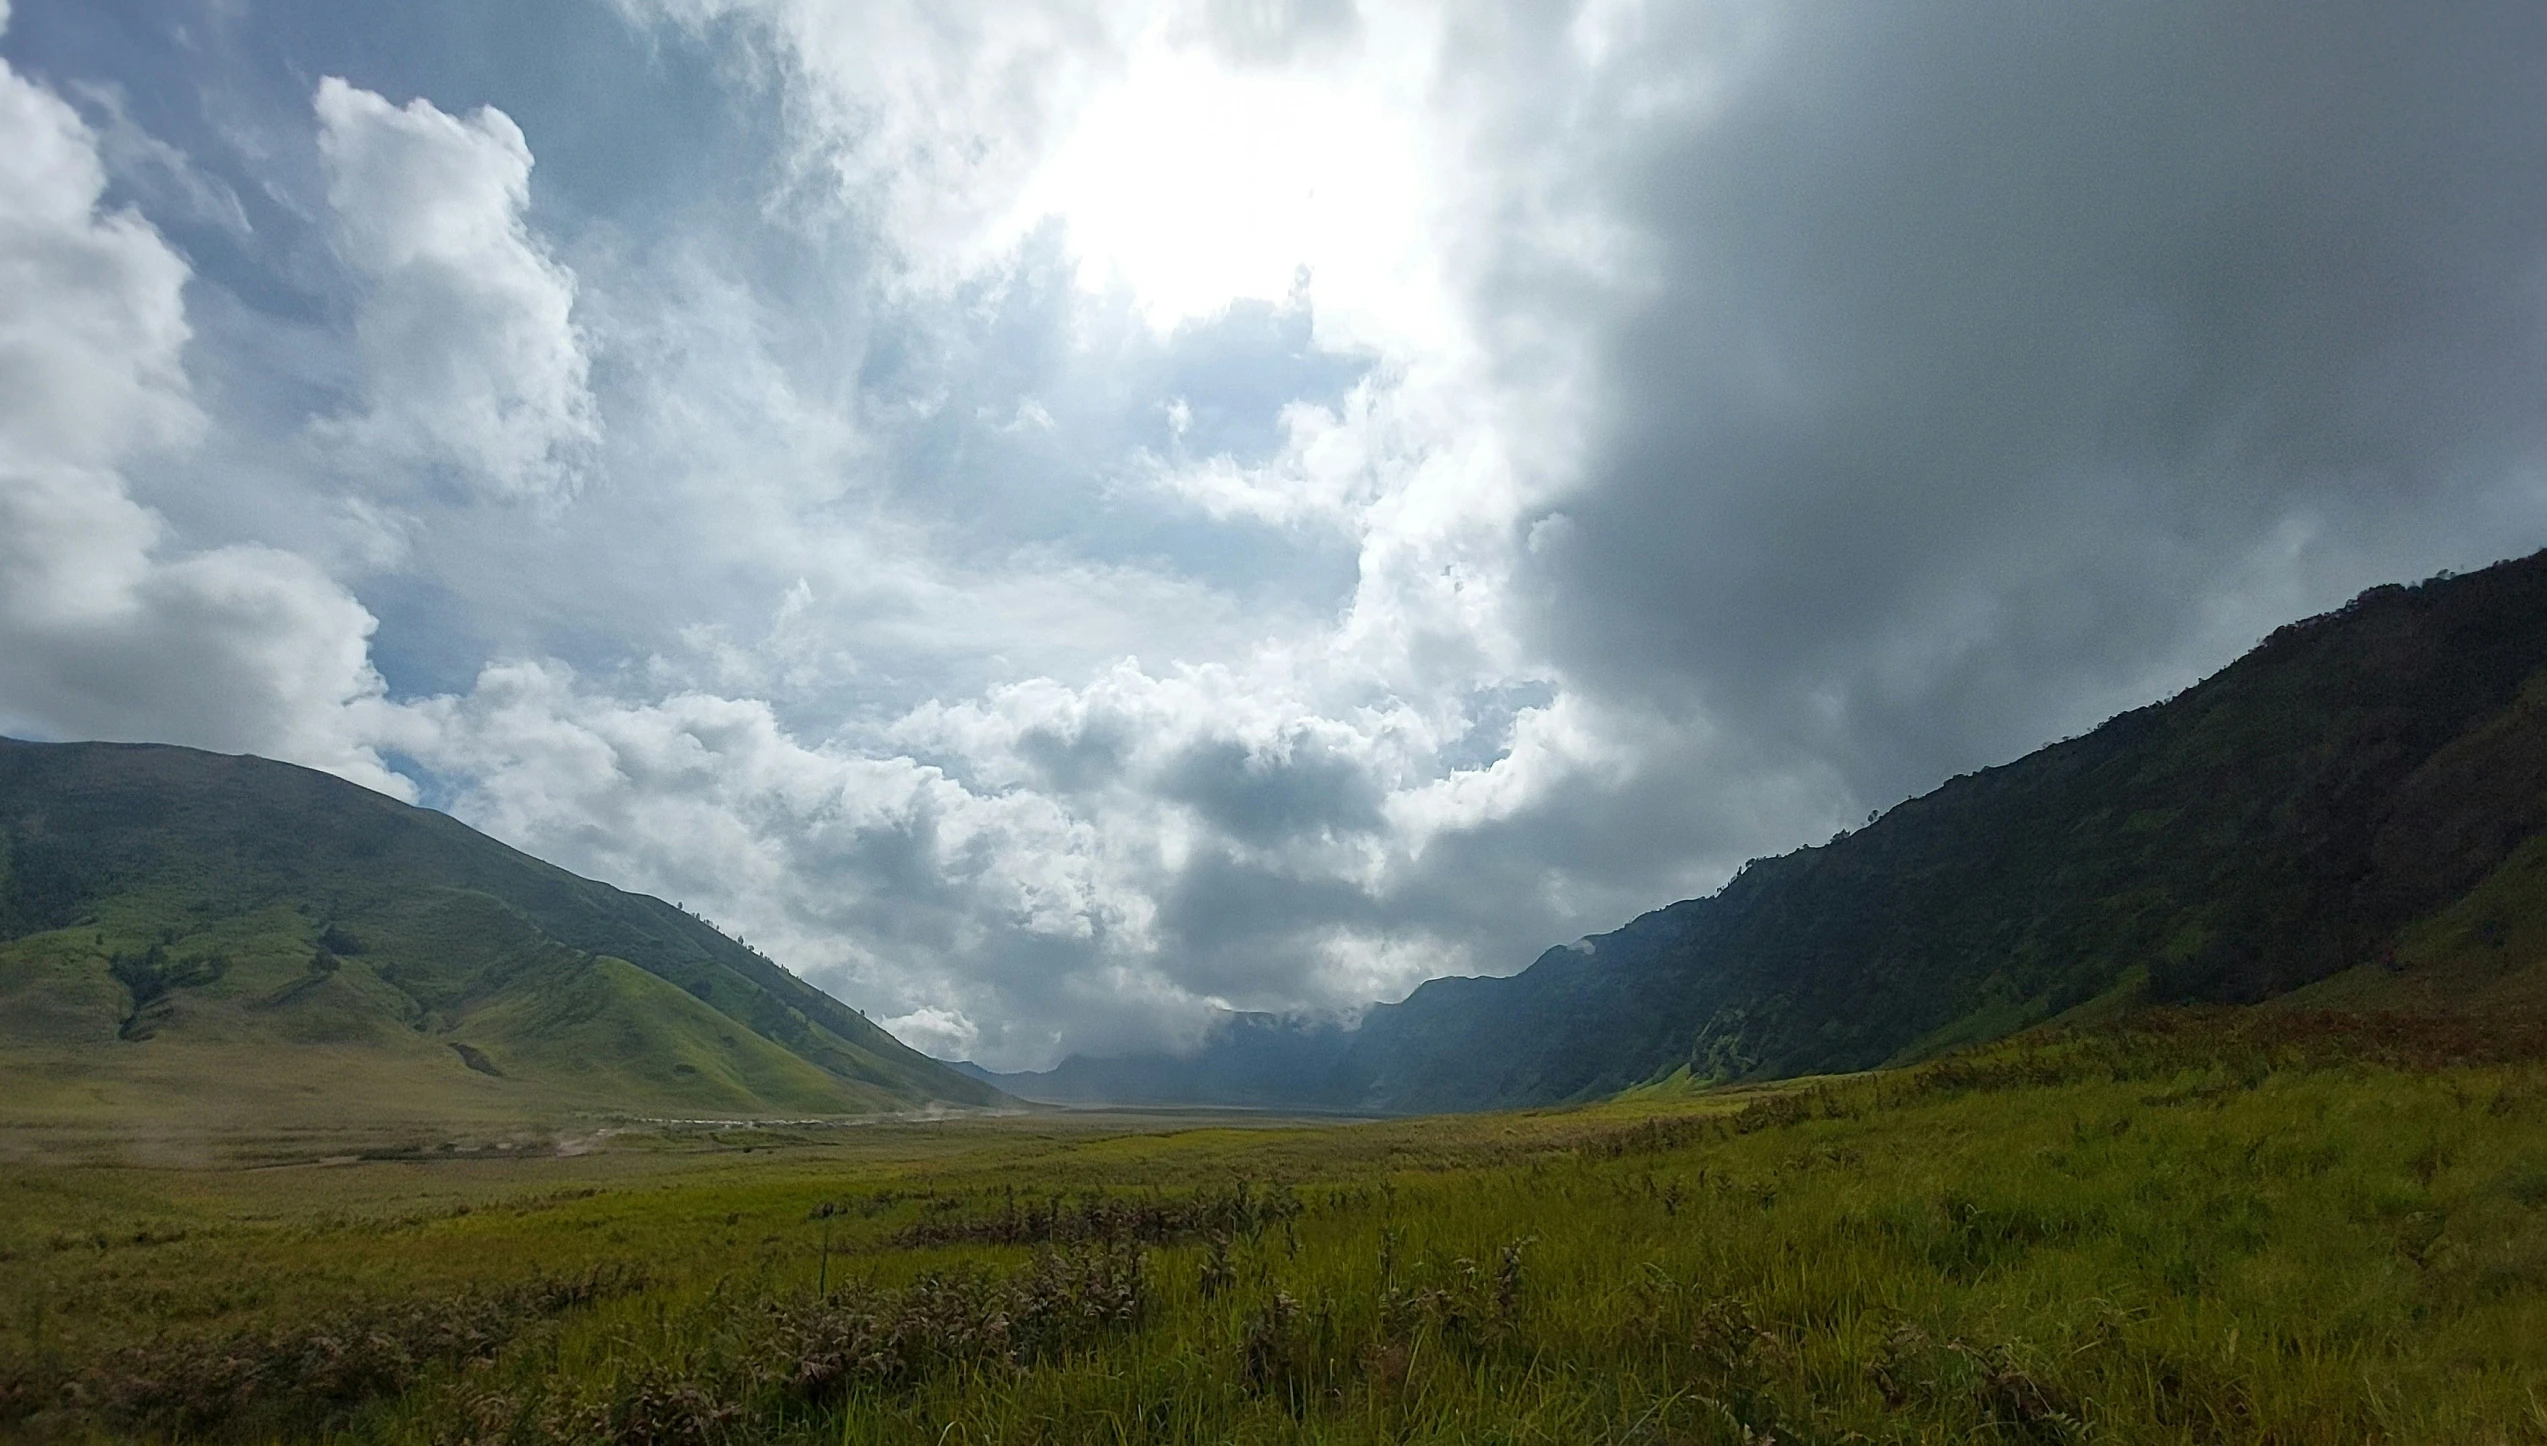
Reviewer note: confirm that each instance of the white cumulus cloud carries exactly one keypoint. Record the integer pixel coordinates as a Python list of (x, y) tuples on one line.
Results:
[(104, 632), (474, 363)]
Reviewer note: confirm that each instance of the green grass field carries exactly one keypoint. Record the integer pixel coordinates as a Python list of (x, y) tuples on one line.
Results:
[(2190, 1229)]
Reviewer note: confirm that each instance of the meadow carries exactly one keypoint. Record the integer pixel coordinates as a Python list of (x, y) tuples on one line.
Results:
[(2194, 1227)]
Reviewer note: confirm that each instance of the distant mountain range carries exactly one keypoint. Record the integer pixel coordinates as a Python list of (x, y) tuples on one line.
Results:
[(190, 936), (1249, 1061), (2352, 811)]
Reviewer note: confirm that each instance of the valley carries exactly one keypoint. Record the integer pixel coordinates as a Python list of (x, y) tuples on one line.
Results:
[(2195, 1226), (1272, 723), (2183, 1082)]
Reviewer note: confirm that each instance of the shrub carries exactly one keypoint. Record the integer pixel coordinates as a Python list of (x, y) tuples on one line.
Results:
[(310, 1375)]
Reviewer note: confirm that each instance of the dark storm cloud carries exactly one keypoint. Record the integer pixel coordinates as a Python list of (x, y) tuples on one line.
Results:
[(1264, 798), (2006, 359), (1248, 933)]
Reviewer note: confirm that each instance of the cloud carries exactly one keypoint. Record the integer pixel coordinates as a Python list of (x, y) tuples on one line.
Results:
[(1986, 372), (166, 179), (105, 634), (1190, 154), (880, 875), (1114, 510), (475, 369), (1324, 472), (926, 118), (96, 312), (943, 1033), (1275, 31)]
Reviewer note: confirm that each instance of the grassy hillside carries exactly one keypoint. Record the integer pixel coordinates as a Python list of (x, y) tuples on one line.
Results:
[(239, 942), (2191, 1227), (2321, 805), (2359, 800)]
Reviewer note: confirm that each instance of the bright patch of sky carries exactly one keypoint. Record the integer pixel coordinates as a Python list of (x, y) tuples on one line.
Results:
[(1195, 181), (1057, 519)]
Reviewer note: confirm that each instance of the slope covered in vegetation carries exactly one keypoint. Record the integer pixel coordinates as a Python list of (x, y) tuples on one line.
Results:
[(2354, 794), (244, 942), (2289, 818)]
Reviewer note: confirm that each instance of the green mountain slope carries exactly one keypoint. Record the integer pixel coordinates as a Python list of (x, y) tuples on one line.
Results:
[(2354, 793), (2349, 816), (237, 940)]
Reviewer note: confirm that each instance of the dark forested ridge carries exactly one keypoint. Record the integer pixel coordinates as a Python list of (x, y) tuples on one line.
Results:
[(2289, 818), (169, 910)]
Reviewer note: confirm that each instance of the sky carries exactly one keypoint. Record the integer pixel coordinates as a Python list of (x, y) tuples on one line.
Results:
[(1055, 520)]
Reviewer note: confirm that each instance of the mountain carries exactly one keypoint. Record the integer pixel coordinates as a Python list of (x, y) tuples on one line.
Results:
[(1246, 1060), (189, 935), (2352, 811)]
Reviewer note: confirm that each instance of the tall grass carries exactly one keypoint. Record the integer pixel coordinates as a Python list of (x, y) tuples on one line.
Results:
[(2192, 1231)]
